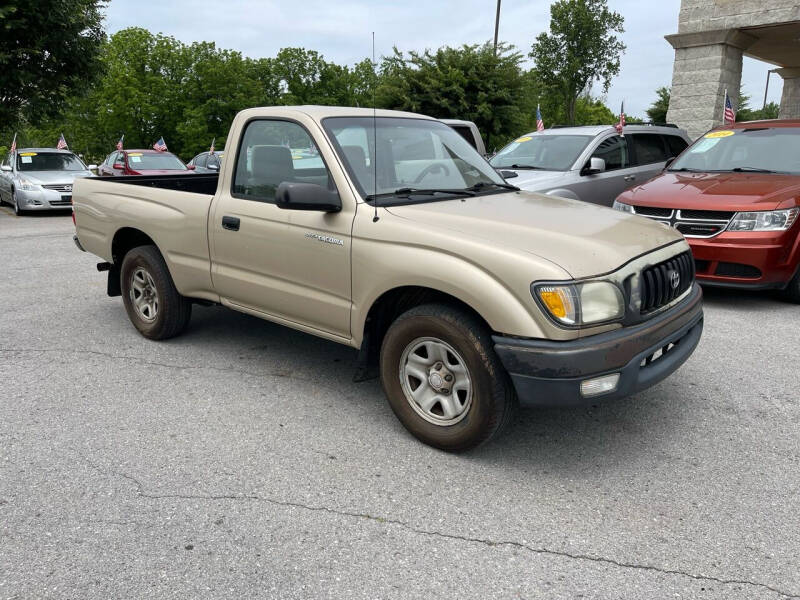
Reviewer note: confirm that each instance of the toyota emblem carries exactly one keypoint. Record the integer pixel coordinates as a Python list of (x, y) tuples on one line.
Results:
[(675, 279)]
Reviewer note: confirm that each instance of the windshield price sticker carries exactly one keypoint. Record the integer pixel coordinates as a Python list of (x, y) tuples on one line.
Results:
[(26, 158), (134, 154), (28, 154), (703, 146), (135, 157), (526, 138), (719, 134)]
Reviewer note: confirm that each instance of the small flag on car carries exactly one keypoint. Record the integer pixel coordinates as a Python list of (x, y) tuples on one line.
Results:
[(62, 143), (14, 144), (160, 145), (621, 123), (211, 150), (119, 143), (539, 122), (730, 115)]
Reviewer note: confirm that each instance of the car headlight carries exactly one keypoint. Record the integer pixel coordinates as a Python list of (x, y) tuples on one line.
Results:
[(581, 303), (26, 185), (764, 220), (622, 206)]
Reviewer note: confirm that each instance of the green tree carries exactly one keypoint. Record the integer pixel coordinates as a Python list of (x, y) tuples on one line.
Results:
[(580, 49), (49, 51), (745, 113), (469, 82), (658, 110)]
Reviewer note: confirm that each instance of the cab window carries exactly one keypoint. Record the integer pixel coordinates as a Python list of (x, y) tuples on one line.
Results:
[(273, 152)]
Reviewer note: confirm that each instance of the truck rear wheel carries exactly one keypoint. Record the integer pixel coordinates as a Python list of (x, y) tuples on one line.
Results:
[(152, 302), (443, 379)]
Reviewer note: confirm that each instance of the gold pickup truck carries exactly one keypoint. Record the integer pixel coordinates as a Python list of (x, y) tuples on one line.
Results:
[(388, 232)]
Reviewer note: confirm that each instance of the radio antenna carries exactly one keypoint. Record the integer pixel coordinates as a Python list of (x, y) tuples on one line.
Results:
[(374, 138)]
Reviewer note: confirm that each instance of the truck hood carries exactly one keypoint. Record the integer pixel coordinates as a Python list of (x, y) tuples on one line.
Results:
[(583, 239), (715, 191), (53, 177), (536, 181)]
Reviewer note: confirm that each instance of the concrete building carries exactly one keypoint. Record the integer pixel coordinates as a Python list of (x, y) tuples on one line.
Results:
[(712, 37)]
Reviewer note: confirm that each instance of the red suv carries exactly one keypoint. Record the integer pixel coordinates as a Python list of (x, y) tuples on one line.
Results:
[(141, 162), (735, 196)]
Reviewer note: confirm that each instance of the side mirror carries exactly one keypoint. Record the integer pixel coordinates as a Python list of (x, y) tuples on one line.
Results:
[(307, 196), (118, 166), (670, 160), (92, 167), (214, 167), (508, 174), (191, 167), (596, 165), (5, 167)]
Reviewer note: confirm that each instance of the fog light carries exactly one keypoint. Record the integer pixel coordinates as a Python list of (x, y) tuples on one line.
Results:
[(599, 385)]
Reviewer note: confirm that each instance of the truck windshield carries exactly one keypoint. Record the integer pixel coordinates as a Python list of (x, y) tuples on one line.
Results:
[(412, 154), (760, 150), (549, 152), (49, 161), (161, 161)]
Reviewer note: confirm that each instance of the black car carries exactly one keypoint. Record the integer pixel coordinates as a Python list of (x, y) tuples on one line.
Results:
[(205, 162)]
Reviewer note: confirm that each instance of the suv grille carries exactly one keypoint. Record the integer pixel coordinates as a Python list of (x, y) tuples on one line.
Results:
[(662, 283), (691, 223)]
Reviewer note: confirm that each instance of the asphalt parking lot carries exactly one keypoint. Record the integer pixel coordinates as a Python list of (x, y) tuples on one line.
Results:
[(240, 460)]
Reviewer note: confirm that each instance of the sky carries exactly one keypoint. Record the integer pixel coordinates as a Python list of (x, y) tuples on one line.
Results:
[(341, 30)]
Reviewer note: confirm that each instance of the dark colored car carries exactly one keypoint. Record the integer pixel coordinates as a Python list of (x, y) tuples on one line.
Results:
[(141, 162), (735, 196), (205, 162)]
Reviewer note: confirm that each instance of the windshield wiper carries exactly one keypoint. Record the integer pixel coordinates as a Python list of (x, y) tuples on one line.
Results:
[(516, 166), (751, 170), (685, 170), (408, 191), (484, 184)]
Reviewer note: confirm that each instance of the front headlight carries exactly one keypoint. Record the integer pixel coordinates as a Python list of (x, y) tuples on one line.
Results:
[(765, 220), (581, 303), (26, 185), (622, 206)]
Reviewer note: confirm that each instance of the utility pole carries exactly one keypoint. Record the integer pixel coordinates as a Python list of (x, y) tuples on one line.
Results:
[(496, 27)]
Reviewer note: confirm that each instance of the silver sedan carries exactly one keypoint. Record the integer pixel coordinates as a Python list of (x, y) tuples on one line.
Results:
[(34, 179)]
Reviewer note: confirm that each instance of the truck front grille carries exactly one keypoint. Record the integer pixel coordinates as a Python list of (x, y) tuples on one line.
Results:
[(662, 283)]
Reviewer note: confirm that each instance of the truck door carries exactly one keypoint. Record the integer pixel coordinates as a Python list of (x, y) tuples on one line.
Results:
[(289, 265)]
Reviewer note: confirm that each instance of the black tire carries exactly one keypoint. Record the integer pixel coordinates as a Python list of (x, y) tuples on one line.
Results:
[(492, 400), (792, 291), (171, 312), (17, 210)]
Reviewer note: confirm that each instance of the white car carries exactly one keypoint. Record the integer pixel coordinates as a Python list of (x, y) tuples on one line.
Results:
[(34, 179)]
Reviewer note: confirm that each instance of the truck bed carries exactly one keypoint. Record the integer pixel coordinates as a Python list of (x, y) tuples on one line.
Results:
[(205, 183)]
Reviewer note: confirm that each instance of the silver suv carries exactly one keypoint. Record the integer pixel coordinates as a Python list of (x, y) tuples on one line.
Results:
[(591, 163)]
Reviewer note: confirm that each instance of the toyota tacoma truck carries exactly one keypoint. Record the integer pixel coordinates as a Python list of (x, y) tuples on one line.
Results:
[(388, 232)]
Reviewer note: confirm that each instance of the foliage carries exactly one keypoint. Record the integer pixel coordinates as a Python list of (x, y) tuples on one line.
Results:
[(658, 110), (580, 48), (745, 113), (470, 82), (151, 85), (49, 51)]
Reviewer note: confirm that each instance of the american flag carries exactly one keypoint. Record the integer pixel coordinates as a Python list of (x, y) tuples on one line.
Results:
[(539, 122), (119, 143), (621, 123), (730, 114), (160, 145), (62, 143), (14, 144), (211, 150)]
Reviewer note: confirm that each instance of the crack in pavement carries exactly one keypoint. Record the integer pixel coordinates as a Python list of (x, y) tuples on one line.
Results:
[(141, 491), (283, 374)]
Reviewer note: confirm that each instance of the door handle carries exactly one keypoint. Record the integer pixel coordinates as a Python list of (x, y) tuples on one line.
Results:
[(230, 223), (630, 177)]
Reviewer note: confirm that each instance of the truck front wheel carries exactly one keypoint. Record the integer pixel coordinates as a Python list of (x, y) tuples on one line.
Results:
[(443, 379), (152, 302)]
